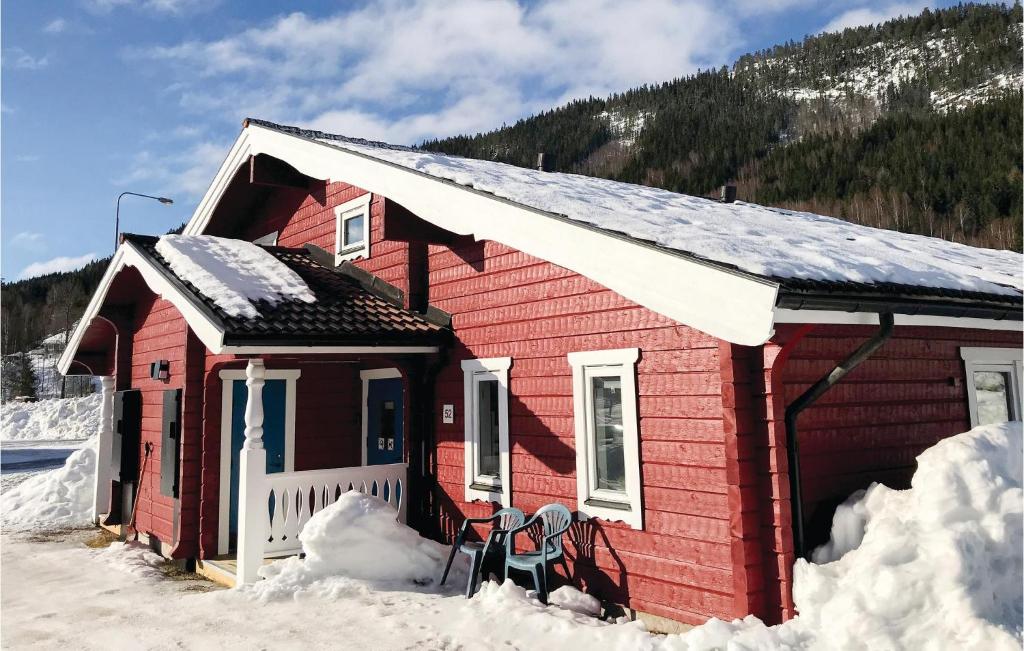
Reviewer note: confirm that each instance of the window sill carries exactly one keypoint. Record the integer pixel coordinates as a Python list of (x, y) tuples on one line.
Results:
[(608, 504), (486, 488), (613, 512)]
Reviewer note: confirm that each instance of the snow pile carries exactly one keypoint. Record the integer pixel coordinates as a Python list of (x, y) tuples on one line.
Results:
[(131, 558), (54, 499), (232, 273), (766, 241), (572, 599), (357, 537), (934, 567), (58, 419), (941, 561)]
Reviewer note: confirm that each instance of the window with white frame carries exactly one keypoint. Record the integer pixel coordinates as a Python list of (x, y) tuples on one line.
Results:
[(993, 384), (607, 436), (486, 429), (352, 229)]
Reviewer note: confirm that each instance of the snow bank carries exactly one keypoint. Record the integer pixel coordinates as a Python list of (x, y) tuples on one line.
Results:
[(132, 558), (232, 273), (938, 566), (357, 537), (762, 240), (54, 499), (59, 419)]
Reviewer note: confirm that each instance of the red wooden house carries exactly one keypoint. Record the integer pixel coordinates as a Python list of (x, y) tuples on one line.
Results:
[(482, 335)]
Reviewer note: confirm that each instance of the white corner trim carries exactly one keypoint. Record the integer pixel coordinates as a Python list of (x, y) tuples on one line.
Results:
[(351, 208), (473, 371), (365, 376), (127, 255), (227, 376), (626, 508), (785, 315), (732, 306)]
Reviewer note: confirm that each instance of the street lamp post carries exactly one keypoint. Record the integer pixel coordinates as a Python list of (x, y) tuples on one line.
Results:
[(117, 211)]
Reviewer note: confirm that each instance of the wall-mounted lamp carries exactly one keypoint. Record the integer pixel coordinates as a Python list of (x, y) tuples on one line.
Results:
[(160, 369)]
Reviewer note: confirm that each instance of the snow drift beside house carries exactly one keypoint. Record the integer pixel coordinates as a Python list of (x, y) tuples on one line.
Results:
[(234, 274), (766, 241), (55, 499), (64, 419), (357, 537), (938, 566)]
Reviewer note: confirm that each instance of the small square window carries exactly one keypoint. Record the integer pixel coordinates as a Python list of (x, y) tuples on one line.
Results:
[(352, 229), (993, 384)]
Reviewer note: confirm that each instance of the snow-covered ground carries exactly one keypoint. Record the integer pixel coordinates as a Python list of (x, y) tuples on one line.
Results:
[(68, 419), (937, 566)]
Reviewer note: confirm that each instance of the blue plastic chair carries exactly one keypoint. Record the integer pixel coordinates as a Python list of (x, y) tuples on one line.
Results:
[(490, 549), (555, 520)]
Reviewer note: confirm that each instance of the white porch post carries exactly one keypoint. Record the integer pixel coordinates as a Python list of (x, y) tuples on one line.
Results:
[(105, 444), (252, 470)]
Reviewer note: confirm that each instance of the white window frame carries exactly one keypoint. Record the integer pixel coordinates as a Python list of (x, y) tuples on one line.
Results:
[(485, 487), (342, 213), (1000, 360), (228, 377), (624, 507)]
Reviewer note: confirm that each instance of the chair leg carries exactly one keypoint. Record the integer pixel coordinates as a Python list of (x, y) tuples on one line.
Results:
[(565, 566), (448, 566), (471, 584), (541, 582)]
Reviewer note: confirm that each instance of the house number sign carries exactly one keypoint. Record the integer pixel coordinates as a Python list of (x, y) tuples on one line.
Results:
[(448, 414)]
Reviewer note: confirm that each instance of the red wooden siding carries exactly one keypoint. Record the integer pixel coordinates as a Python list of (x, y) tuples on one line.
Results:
[(159, 333), (506, 303)]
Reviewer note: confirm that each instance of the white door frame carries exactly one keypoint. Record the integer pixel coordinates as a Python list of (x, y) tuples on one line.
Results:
[(377, 374), (227, 377)]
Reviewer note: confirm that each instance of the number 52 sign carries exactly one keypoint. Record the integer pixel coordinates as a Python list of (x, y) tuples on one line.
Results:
[(448, 414)]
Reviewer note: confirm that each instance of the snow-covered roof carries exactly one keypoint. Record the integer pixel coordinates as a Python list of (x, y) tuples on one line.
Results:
[(769, 242), (731, 270), (232, 273)]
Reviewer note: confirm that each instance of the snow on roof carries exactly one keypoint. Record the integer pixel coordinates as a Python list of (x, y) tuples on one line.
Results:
[(232, 273), (769, 242)]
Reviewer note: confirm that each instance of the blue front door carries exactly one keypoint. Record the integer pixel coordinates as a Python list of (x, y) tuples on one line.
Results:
[(384, 418), (273, 435)]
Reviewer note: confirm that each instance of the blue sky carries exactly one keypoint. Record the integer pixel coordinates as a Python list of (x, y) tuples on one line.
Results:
[(102, 96)]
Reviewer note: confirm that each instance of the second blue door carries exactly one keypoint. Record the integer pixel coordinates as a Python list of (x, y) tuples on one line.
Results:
[(384, 418)]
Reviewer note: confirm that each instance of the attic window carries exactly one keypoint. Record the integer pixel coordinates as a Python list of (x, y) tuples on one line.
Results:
[(352, 229)]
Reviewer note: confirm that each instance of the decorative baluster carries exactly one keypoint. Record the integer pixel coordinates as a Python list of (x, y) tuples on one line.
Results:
[(252, 487)]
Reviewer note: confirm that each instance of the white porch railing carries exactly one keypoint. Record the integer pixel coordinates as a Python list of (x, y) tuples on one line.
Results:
[(292, 498), (272, 509)]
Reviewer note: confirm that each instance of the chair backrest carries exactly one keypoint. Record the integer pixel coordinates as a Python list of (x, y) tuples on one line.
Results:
[(509, 518), (556, 519)]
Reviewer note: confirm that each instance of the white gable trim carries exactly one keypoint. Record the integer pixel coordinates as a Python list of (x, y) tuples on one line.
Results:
[(127, 255), (732, 306)]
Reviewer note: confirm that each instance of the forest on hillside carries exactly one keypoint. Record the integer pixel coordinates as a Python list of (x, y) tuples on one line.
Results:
[(913, 125)]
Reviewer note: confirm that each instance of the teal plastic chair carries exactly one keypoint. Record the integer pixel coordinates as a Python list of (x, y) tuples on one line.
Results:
[(490, 550), (555, 520)]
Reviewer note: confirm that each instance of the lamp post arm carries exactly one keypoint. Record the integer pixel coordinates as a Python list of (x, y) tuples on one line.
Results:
[(117, 211)]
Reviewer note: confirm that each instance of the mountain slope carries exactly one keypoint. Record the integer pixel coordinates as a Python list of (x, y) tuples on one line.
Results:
[(913, 124)]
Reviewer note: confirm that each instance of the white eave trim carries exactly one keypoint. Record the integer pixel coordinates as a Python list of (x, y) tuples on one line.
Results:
[(871, 318), (299, 349), (127, 255), (732, 306)]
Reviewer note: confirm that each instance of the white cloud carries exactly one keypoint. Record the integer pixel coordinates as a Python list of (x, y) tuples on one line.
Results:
[(167, 7), (406, 70), (872, 15), (26, 158), (182, 175), (56, 26), (58, 264), (19, 59), (28, 241)]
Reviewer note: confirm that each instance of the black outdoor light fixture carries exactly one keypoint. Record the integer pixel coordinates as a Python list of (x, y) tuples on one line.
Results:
[(160, 369), (117, 211)]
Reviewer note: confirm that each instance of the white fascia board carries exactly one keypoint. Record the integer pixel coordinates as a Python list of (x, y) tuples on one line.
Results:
[(237, 156), (871, 318), (127, 255), (730, 306)]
